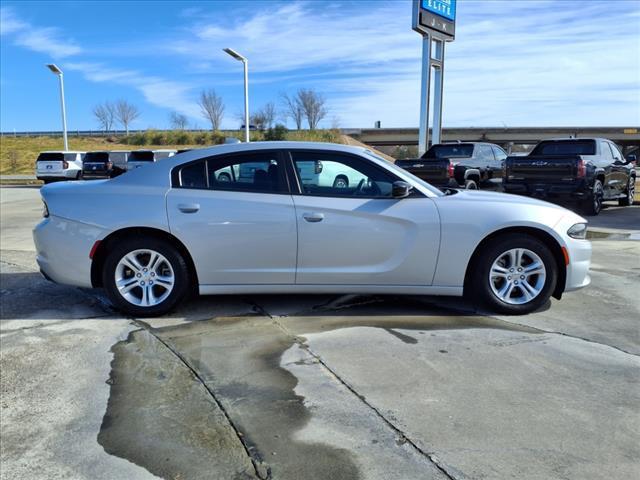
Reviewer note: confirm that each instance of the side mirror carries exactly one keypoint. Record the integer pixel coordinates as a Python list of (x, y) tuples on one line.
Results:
[(632, 158), (401, 189)]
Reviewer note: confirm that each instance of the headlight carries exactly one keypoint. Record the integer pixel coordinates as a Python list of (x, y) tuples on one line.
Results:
[(579, 231), (45, 210)]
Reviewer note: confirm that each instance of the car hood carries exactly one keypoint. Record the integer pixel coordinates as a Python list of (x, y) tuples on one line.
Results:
[(479, 205)]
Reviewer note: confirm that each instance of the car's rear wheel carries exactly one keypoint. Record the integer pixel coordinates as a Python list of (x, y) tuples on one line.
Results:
[(630, 193), (593, 204), (515, 274), (145, 277)]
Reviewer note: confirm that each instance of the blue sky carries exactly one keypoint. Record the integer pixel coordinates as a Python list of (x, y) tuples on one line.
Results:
[(514, 62)]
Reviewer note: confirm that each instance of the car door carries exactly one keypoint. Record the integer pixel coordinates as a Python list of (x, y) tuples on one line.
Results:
[(485, 161), (498, 166), (619, 170), (358, 234), (239, 230), (605, 161)]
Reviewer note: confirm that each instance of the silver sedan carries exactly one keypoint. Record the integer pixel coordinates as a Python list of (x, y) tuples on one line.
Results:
[(265, 218)]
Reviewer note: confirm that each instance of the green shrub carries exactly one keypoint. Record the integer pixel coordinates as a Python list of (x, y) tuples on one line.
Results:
[(276, 134)]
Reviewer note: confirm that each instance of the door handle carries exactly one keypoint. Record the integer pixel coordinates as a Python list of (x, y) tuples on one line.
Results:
[(188, 207), (313, 217)]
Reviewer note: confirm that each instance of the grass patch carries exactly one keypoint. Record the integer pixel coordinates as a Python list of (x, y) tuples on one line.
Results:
[(18, 154)]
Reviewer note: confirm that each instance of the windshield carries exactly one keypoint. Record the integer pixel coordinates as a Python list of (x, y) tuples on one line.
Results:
[(565, 147), (145, 156), (402, 171), (450, 150), (96, 157)]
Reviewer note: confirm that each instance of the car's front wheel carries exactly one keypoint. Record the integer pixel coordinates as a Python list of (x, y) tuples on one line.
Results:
[(145, 277), (516, 274)]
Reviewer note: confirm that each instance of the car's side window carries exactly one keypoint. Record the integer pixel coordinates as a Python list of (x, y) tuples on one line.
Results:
[(194, 175), (606, 152), (615, 152), (499, 153), (485, 155), (251, 172), (333, 174)]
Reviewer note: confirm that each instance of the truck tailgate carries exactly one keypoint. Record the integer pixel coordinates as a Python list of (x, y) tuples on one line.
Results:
[(435, 171), (542, 168)]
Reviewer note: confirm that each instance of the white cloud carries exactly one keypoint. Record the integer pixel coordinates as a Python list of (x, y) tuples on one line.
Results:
[(521, 63), (157, 91), (43, 40)]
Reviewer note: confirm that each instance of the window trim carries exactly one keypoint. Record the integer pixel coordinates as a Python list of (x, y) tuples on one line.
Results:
[(176, 172), (291, 170)]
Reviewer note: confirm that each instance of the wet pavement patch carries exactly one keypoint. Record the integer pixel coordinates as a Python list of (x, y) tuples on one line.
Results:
[(160, 417)]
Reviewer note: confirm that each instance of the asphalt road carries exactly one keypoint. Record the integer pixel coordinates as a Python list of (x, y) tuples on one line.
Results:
[(326, 387)]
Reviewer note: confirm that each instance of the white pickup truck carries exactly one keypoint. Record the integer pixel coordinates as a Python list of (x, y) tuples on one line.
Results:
[(59, 165)]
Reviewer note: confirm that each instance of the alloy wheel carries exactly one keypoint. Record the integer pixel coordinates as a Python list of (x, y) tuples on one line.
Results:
[(144, 277), (517, 276)]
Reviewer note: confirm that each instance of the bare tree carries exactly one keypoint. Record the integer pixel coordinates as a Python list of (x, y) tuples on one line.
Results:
[(313, 106), (105, 113), (178, 121), (292, 109), (212, 107), (126, 113), (269, 114)]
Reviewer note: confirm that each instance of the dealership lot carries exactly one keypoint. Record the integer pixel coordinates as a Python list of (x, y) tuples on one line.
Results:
[(319, 386)]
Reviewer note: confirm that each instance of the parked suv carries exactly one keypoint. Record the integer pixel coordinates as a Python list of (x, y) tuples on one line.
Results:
[(583, 170), (471, 165), (59, 165)]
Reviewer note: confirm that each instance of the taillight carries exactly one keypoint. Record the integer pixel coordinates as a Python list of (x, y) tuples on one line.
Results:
[(450, 169), (65, 164), (582, 169)]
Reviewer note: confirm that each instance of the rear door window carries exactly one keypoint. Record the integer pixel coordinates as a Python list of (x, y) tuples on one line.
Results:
[(141, 156), (260, 172), (565, 147), (50, 157), (194, 175)]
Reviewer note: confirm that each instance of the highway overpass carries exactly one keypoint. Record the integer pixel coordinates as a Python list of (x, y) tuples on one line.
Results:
[(626, 137)]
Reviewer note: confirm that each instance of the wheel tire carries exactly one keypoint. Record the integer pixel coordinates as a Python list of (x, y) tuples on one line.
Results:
[(79, 175), (480, 286), (471, 185), (224, 177), (340, 182), (177, 263), (631, 191), (593, 205)]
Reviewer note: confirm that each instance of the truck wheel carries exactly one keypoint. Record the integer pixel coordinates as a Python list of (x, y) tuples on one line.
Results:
[(593, 204), (631, 191), (471, 185), (145, 277), (340, 182), (515, 274)]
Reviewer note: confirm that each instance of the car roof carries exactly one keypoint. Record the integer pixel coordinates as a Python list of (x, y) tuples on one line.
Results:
[(63, 151), (567, 139)]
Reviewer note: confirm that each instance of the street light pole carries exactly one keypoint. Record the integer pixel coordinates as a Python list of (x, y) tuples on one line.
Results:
[(245, 64), (54, 69)]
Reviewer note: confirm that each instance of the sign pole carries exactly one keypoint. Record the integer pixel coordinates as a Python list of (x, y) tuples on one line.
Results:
[(425, 91), (435, 20), (437, 62)]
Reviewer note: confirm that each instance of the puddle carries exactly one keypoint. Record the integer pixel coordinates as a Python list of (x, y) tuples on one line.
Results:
[(162, 419), (591, 235)]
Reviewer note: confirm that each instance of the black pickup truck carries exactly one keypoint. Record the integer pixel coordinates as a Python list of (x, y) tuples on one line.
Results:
[(583, 170), (459, 165)]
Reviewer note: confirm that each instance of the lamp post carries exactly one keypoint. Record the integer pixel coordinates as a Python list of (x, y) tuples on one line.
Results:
[(54, 69), (245, 63)]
